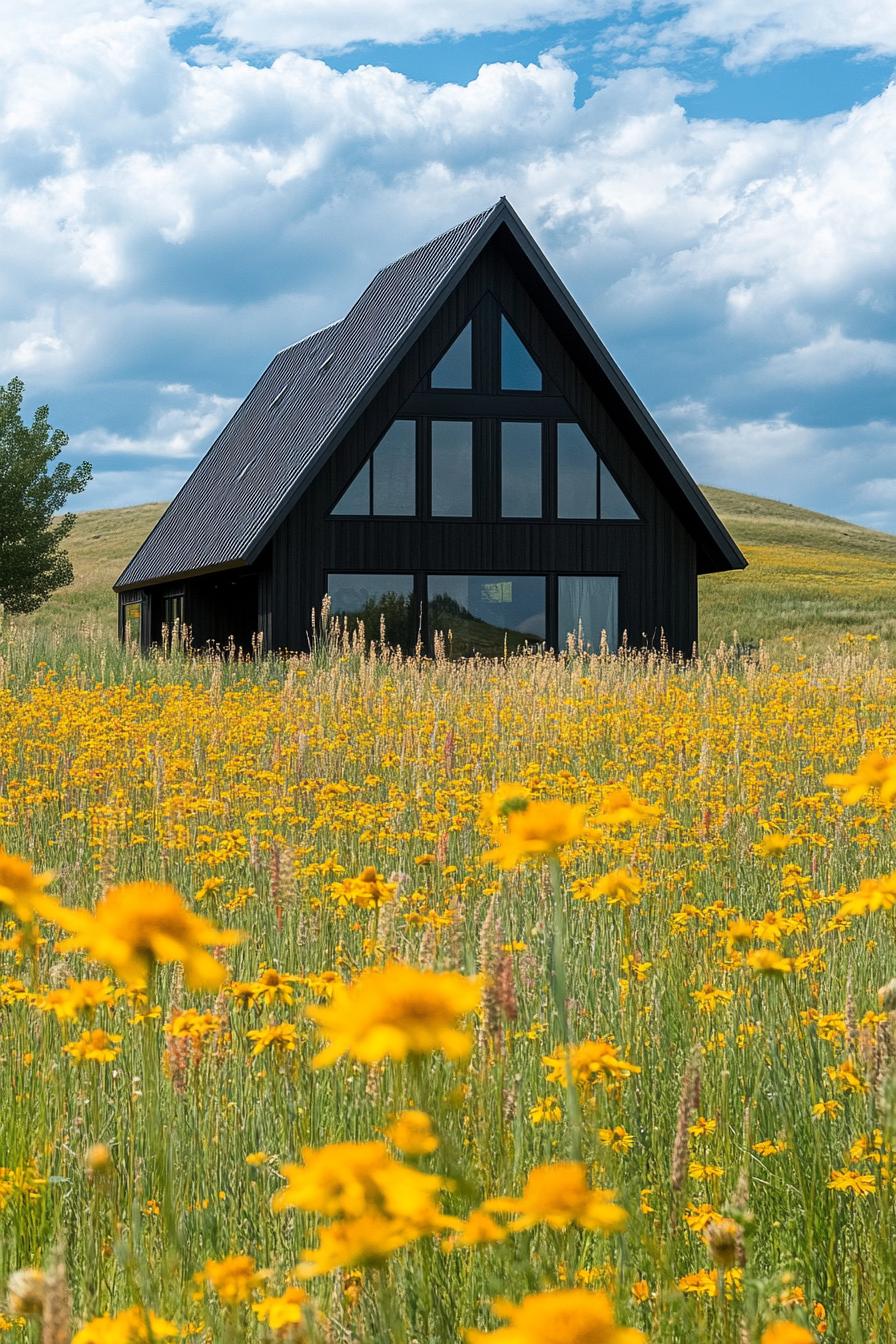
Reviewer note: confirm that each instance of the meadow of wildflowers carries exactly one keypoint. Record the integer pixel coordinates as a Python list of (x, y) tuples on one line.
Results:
[(358, 999)]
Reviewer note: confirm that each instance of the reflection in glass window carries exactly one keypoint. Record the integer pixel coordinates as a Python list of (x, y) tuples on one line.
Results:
[(613, 503), (519, 372), (520, 469), (487, 613), (455, 368), (452, 468), (133, 622), (576, 474), (387, 482), (394, 470), (587, 606), (376, 598)]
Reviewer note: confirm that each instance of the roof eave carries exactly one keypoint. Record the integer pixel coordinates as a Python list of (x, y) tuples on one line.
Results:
[(119, 586)]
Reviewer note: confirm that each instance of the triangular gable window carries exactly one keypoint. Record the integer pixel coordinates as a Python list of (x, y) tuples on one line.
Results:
[(614, 502), (455, 368), (386, 485), (586, 488), (519, 372), (356, 499)]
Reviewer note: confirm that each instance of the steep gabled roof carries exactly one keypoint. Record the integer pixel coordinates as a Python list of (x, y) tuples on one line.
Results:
[(311, 394)]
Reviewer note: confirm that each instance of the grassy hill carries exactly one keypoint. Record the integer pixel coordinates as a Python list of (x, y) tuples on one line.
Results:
[(810, 576)]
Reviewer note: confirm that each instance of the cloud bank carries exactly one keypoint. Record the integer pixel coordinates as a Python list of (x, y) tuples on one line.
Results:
[(176, 207)]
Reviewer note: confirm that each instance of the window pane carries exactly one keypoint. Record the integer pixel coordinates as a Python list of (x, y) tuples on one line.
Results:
[(576, 474), (367, 597), (356, 498), (395, 470), (587, 606), (452, 468), (520, 469), (485, 613), (519, 372), (173, 610), (613, 503), (455, 368), (133, 622)]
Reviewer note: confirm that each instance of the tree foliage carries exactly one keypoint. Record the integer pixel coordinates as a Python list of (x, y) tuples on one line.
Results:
[(32, 494)]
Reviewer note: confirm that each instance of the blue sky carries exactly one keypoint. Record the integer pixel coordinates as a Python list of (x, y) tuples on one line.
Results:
[(187, 187)]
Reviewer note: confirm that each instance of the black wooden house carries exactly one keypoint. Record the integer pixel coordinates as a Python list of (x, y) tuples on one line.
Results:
[(459, 454)]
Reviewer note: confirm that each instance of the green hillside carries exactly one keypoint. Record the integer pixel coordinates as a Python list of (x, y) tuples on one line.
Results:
[(810, 576)]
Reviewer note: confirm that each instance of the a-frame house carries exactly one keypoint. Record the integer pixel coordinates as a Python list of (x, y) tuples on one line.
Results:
[(460, 454)]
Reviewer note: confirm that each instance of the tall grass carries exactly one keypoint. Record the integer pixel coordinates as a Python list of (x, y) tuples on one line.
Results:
[(252, 785)]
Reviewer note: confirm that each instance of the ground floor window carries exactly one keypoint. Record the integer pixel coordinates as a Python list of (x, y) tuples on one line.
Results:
[(133, 623), (381, 601), (587, 606), (173, 610), (486, 613)]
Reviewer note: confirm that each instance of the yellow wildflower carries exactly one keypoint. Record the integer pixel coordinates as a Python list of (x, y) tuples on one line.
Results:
[(767, 961), (562, 1316), (234, 1278), (536, 831), (786, 1332), (349, 1180), (874, 893), (875, 773), (558, 1194), (589, 1062), (617, 1138), (367, 891), (135, 1325), (546, 1111), (857, 1182), (619, 808), (141, 923), (22, 890), (279, 1313), (396, 1011), (412, 1133), (279, 1036), (97, 1045)]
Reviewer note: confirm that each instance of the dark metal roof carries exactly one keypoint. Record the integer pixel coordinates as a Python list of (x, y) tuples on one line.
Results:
[(311, 393), (301, 403)]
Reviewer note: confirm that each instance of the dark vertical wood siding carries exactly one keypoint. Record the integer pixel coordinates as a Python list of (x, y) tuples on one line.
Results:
[(656, 558)]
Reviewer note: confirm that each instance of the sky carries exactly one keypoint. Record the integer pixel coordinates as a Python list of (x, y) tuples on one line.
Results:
[(188, 187)]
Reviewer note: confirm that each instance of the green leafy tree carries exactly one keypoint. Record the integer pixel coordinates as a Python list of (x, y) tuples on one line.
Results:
[(32, 495)]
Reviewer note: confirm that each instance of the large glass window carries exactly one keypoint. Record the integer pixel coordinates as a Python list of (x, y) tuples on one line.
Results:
[(576, 474), (455, 368), (586, 606), (521, 469), (387, 482), (486, 613), (452, 468), (614, 503), (376, 599), (519, 372)]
